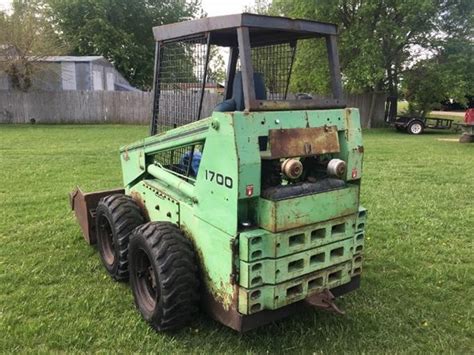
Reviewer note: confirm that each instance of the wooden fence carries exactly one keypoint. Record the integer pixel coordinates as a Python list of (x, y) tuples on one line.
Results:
[(125, 107)]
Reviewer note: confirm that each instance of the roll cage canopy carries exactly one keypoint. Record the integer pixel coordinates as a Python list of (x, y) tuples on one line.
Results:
[(243, 34)]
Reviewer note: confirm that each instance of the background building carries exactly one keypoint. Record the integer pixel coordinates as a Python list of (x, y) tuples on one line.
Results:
[(86, 73)]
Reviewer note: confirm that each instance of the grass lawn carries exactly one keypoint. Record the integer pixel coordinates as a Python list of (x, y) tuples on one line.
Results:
[(417, 287)]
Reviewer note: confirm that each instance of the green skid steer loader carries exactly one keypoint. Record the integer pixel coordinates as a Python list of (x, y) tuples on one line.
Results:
[(249, 207)]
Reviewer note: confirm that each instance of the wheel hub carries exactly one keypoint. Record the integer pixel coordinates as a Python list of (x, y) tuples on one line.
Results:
[(416, 128), (107, 241), (147, 290)]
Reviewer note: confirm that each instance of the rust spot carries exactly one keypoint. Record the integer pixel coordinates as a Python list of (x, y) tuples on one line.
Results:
[(234, 246), (84, 205), (138, 199), (295, 142), (360, 149)]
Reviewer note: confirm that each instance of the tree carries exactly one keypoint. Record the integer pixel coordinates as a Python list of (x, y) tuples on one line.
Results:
[(216, 70), (378, 38), (446, 75), (119, 30), (25, 39)]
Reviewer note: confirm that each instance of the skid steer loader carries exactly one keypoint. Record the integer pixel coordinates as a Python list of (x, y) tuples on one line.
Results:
[(249, 208)]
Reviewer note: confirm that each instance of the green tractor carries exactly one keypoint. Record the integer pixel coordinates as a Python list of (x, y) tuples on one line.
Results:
[(248, 209)]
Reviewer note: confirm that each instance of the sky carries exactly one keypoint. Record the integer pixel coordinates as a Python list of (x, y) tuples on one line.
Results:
[(4, 4), (212, 7), (224, 7)]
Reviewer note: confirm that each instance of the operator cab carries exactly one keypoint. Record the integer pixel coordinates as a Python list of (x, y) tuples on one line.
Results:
[(261, 52)]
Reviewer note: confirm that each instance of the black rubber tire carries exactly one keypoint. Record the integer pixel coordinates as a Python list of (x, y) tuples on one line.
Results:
[(116, 218), (412, 125), (466, 138), (163, 275)]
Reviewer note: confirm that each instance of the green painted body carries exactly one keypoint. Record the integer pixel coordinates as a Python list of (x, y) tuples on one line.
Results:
[(295, 247)]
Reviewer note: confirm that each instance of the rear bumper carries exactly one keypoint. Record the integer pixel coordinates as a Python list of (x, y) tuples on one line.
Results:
[(243, 323)]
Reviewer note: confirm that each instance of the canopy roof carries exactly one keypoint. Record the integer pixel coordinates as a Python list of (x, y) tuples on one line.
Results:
[(263, 29)]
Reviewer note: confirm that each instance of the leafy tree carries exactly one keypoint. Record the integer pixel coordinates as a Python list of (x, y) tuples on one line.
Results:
[(424, 87), (378, 38), (216, 70), (25, 39), (119, 30), (446, 75)]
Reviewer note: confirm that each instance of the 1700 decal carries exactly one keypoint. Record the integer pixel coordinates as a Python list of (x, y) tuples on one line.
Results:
[(219, 178)]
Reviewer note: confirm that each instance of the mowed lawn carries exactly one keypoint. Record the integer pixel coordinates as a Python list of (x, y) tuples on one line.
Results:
[(417, 291)]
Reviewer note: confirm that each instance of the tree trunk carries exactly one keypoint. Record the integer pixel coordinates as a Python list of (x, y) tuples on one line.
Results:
[(371, 110), (392, 77)]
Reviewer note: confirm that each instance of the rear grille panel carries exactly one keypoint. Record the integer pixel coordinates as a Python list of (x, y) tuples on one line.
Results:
[(277, 269)]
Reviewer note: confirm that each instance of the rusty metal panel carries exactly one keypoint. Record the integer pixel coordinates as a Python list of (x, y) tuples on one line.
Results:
[(84, 206), (278, 216), (297, 142), (289, 105)]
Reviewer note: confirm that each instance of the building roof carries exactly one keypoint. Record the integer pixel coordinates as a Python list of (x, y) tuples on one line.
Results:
[(91, 58)]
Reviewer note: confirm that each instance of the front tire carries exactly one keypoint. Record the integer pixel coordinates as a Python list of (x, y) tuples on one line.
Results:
[(163, 275), (116, 218)]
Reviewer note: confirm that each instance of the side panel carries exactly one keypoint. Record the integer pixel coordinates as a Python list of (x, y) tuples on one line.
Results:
[(216, 257), (352, 149), (157, 204), (218, 177)]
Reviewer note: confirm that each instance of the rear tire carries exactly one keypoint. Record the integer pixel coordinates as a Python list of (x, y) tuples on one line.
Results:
[(415, 127), (116, 218), (163, 275)]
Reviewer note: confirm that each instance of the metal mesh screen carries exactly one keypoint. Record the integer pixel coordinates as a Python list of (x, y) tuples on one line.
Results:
[(183, 161), (274, 62), (179, 83)]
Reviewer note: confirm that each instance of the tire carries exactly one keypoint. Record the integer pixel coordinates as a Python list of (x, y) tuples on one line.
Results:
[(163, 275), (416, 128), (466, 138), (116, 218)]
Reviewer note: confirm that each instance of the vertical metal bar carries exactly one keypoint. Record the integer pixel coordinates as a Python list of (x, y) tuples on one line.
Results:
[(204, 79), (231, 68), (334, 67), (156, 90), (293, 47), (203, 90), (243, 37)]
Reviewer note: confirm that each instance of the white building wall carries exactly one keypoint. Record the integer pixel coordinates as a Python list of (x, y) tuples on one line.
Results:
[(110, 78), (97, 80), (68, 75), (4, 82)]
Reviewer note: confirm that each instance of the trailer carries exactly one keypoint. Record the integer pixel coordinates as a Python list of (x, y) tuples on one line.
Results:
[(413, 124)]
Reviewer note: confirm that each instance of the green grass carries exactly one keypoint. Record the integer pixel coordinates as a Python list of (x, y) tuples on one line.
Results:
[(418, 280)]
